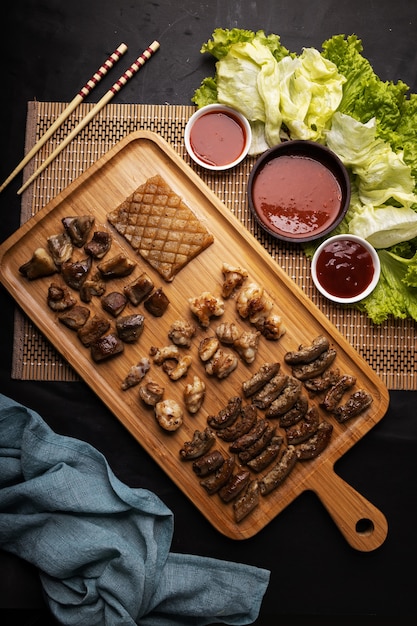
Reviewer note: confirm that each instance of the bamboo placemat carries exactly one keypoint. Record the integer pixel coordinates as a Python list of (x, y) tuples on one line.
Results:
[(389, 348)]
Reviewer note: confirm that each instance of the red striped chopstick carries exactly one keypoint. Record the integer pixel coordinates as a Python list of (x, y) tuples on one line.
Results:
[(83, 93), (129, 73)]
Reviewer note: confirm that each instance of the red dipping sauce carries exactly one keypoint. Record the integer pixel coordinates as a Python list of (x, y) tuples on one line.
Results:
[(296, 196), (217, 138), (344, 268)]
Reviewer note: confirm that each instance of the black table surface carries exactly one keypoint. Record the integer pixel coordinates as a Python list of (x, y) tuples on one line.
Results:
[(53, 47)]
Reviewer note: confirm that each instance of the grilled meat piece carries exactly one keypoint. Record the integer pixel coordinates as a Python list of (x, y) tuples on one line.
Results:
[(323, 382), (181, 333), (130, 327), (136, 373), (78, 228), (151, 392), (227, 332), (259, 445), (260, 378), (247, 501), (264, 398), (336, 392), (41, 264), (249, 438), (106, 347), (214, 482), (139, 289), (75, 317), (303, 429), (246, 345), (269, 454), (168, 414), (233, 278), (221, 364), (316, 367), (114, 303), (205, 306), (295, 414), (194, 394), (93, 329), (311, 448), (208, 463), (201, 443), (92, 286), (59, 297), (307, 354), (75, 273), (207, 348), (242, 425), (227, 415), (157, 303), (234, 486), (99, 245), (60, 248), (358, 402), (286, 399), (279, 471), (271, 327), (116, 267)]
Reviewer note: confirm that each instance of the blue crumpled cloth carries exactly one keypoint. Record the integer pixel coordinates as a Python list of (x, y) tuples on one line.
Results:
[(103, 548)]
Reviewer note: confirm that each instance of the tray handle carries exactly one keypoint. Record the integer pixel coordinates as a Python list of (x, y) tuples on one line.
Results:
[(364, 527)]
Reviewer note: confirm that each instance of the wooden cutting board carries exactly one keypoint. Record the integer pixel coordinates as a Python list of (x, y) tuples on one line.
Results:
[(97, 192)]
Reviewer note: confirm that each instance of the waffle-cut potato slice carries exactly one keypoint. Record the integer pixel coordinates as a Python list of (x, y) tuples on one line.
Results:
[(160, 227)]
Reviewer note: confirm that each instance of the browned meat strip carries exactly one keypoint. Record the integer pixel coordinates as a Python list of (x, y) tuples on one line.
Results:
[(279, 471), (311, 448), (304, 428), (234, 486), (116, 267), (201, 443), (215, 481), (264, 398), (315, 368), (260, 378), (243, 424), (243, 442), (260, 444), (323, 382), (269, 454), (208, 463), (307, 354), (286, 399), (247, 501), (295, 414), (357, 403), (335, 393), (227, 415)]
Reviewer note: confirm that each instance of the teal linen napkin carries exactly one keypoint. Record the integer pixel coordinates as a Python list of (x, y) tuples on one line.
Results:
[(103, 548)]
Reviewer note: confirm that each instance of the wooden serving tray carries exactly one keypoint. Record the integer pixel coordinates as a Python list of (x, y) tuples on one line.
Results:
[(98, 191)]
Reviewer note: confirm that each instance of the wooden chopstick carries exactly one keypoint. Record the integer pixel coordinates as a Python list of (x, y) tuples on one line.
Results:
[(129, 73), (83, 93)]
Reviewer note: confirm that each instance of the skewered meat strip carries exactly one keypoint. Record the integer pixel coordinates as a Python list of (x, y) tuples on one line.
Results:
[(136, 373), (78, 228), (306, 354), (181, 333), (336, 392), (151, 392), (41, 264), (194, 394), (139, 289), (75, 317), (106, 347), (130, 327), (157, 303), (305, 428), (247, 501), (358, 402), (99, 245), (286, 399), (213, 482), (59, 297), (233, 278), (60, 248), (315, 445), (75, 273), (227, 332), (94, 328), (201, 443), (221, 364), (247, 345), (234, 486), (315, 368), (207, 348), (264, 398), (260, 378), (269, 454), (279, 471), (116, 267), (227, 415), (114, 303), (205, 306), (208, 463), (246, 420), (168, 414)]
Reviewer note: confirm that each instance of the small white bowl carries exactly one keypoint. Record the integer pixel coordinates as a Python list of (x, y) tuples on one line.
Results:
[(345, 268), (214, 138)]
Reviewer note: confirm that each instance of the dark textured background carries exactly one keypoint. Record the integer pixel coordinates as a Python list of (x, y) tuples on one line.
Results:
[(51, 49)]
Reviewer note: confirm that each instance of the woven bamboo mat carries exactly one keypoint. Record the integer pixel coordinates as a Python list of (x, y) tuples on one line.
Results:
[(389, 348)]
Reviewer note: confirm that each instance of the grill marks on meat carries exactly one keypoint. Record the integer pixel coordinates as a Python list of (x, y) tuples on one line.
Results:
[(227, 415), (357, 403)]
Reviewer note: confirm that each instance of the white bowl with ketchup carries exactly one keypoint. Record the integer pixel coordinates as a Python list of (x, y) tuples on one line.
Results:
[(217, 137), (345, 268), (298, 191)]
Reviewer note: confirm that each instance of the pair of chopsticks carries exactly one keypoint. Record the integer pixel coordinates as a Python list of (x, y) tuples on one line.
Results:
[(102, 71)]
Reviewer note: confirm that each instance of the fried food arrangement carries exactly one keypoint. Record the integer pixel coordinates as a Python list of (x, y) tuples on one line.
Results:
[(160, 227)]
